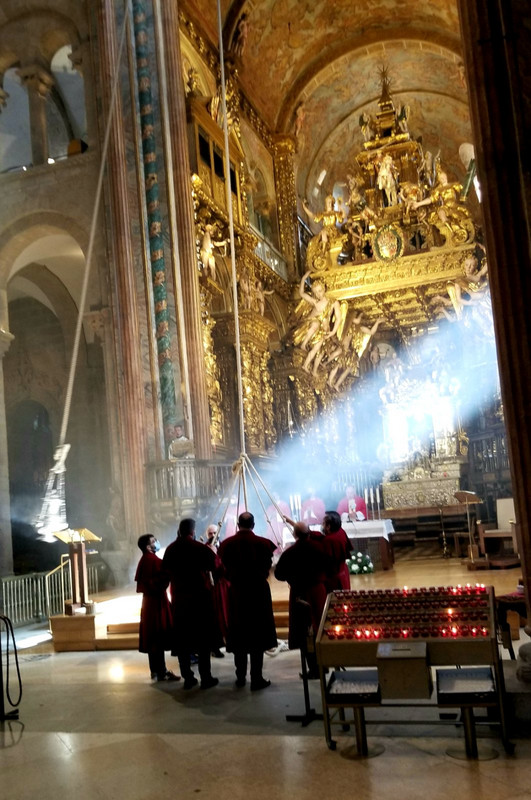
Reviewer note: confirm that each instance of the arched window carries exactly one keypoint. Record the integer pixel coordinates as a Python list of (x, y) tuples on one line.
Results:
[(15, 141)]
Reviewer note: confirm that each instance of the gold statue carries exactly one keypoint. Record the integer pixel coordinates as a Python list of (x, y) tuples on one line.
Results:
[(328, 237), (321, 322), (449, 216)]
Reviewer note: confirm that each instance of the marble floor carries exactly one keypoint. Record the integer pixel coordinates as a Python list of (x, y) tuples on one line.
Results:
[(93, 726)]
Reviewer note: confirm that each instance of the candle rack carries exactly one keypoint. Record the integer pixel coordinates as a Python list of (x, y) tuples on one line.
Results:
[(404, 634)]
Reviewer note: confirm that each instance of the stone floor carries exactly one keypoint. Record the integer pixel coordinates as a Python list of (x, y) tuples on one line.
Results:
[(94, 727)]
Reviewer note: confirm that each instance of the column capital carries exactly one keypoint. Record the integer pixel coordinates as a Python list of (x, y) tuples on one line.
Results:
[(98, 321), (5, 340), (36, 79), (284, 144)]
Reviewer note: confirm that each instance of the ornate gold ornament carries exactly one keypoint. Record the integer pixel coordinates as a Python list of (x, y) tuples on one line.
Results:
[(388, 243)]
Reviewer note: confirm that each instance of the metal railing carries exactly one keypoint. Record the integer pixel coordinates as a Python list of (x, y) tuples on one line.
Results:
[(38, 595)]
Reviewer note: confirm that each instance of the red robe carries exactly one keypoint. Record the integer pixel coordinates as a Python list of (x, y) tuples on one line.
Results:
[(247, 560), (337, 546), (303, 566), (343, 505), (221, 596), (190, 565), (155, 615), (312, 511)]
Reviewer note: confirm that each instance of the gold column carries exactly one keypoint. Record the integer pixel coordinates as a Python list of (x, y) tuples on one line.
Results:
[(283, 156), (6, 547), (131, 410), (38, 82), (189, 274), (497, 52)]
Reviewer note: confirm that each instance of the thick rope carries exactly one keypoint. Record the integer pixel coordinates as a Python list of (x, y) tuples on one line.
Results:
[(231, 233), (92, 236)]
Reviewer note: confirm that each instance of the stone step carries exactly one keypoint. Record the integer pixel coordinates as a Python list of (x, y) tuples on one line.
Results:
[(117, 641)]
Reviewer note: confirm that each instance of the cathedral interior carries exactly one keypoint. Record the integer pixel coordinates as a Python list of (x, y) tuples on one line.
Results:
[(290, 235), (311, 241)]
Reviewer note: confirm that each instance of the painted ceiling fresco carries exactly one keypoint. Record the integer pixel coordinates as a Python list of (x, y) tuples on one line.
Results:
[(323, 58)]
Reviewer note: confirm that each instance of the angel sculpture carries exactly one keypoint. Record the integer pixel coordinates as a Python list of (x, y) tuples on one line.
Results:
[(321, 321), (470, 290), (206, 252), (352, 346)]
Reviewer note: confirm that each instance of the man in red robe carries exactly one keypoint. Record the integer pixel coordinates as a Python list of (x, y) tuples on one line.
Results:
[(353, 505), (313, 509), (337, 546), (303, 566), (155, 614), (247, 560), (190, 565)]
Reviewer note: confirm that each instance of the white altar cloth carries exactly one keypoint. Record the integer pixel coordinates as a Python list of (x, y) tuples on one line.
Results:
[(369, 529)]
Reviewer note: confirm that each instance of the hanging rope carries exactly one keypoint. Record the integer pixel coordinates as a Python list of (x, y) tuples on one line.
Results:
[(55, 484), (244, 464), (231, 233), (92, 236)]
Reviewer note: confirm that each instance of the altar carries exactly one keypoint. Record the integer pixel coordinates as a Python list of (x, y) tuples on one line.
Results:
[(372, 537)]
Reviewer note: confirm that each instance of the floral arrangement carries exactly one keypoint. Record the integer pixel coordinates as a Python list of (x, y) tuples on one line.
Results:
[(360, 564)]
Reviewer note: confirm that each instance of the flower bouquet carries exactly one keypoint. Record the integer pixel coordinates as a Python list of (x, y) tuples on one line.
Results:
[(360, 564)]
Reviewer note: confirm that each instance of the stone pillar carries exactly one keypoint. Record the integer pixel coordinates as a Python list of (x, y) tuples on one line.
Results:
[(6, 545), (497, 54), (38, 82), (131, 409), (284, 153), (189, 273), (81, 62)]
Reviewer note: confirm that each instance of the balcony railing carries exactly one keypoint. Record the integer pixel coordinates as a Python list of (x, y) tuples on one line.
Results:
[(185, 484)]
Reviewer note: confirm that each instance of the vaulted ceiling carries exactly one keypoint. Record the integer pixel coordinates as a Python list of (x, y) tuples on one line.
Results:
[(326, 55)]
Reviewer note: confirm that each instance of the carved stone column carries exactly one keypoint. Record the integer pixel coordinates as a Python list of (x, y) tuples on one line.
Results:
[(130, 384), (284, 152), (38, 82), (497, 53), (6, 546), (189, 273)]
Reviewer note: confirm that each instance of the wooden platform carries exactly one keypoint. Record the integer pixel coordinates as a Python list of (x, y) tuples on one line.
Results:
[(96, 632)]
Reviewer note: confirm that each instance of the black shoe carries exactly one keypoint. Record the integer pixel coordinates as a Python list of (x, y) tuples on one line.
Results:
[(218, 654), (240, 682), (261, 684), (189, 683), (154, 676), (208, 683), (169, 676)]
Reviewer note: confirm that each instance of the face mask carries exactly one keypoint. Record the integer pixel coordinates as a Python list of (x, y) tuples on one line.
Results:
[(156, 546)]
